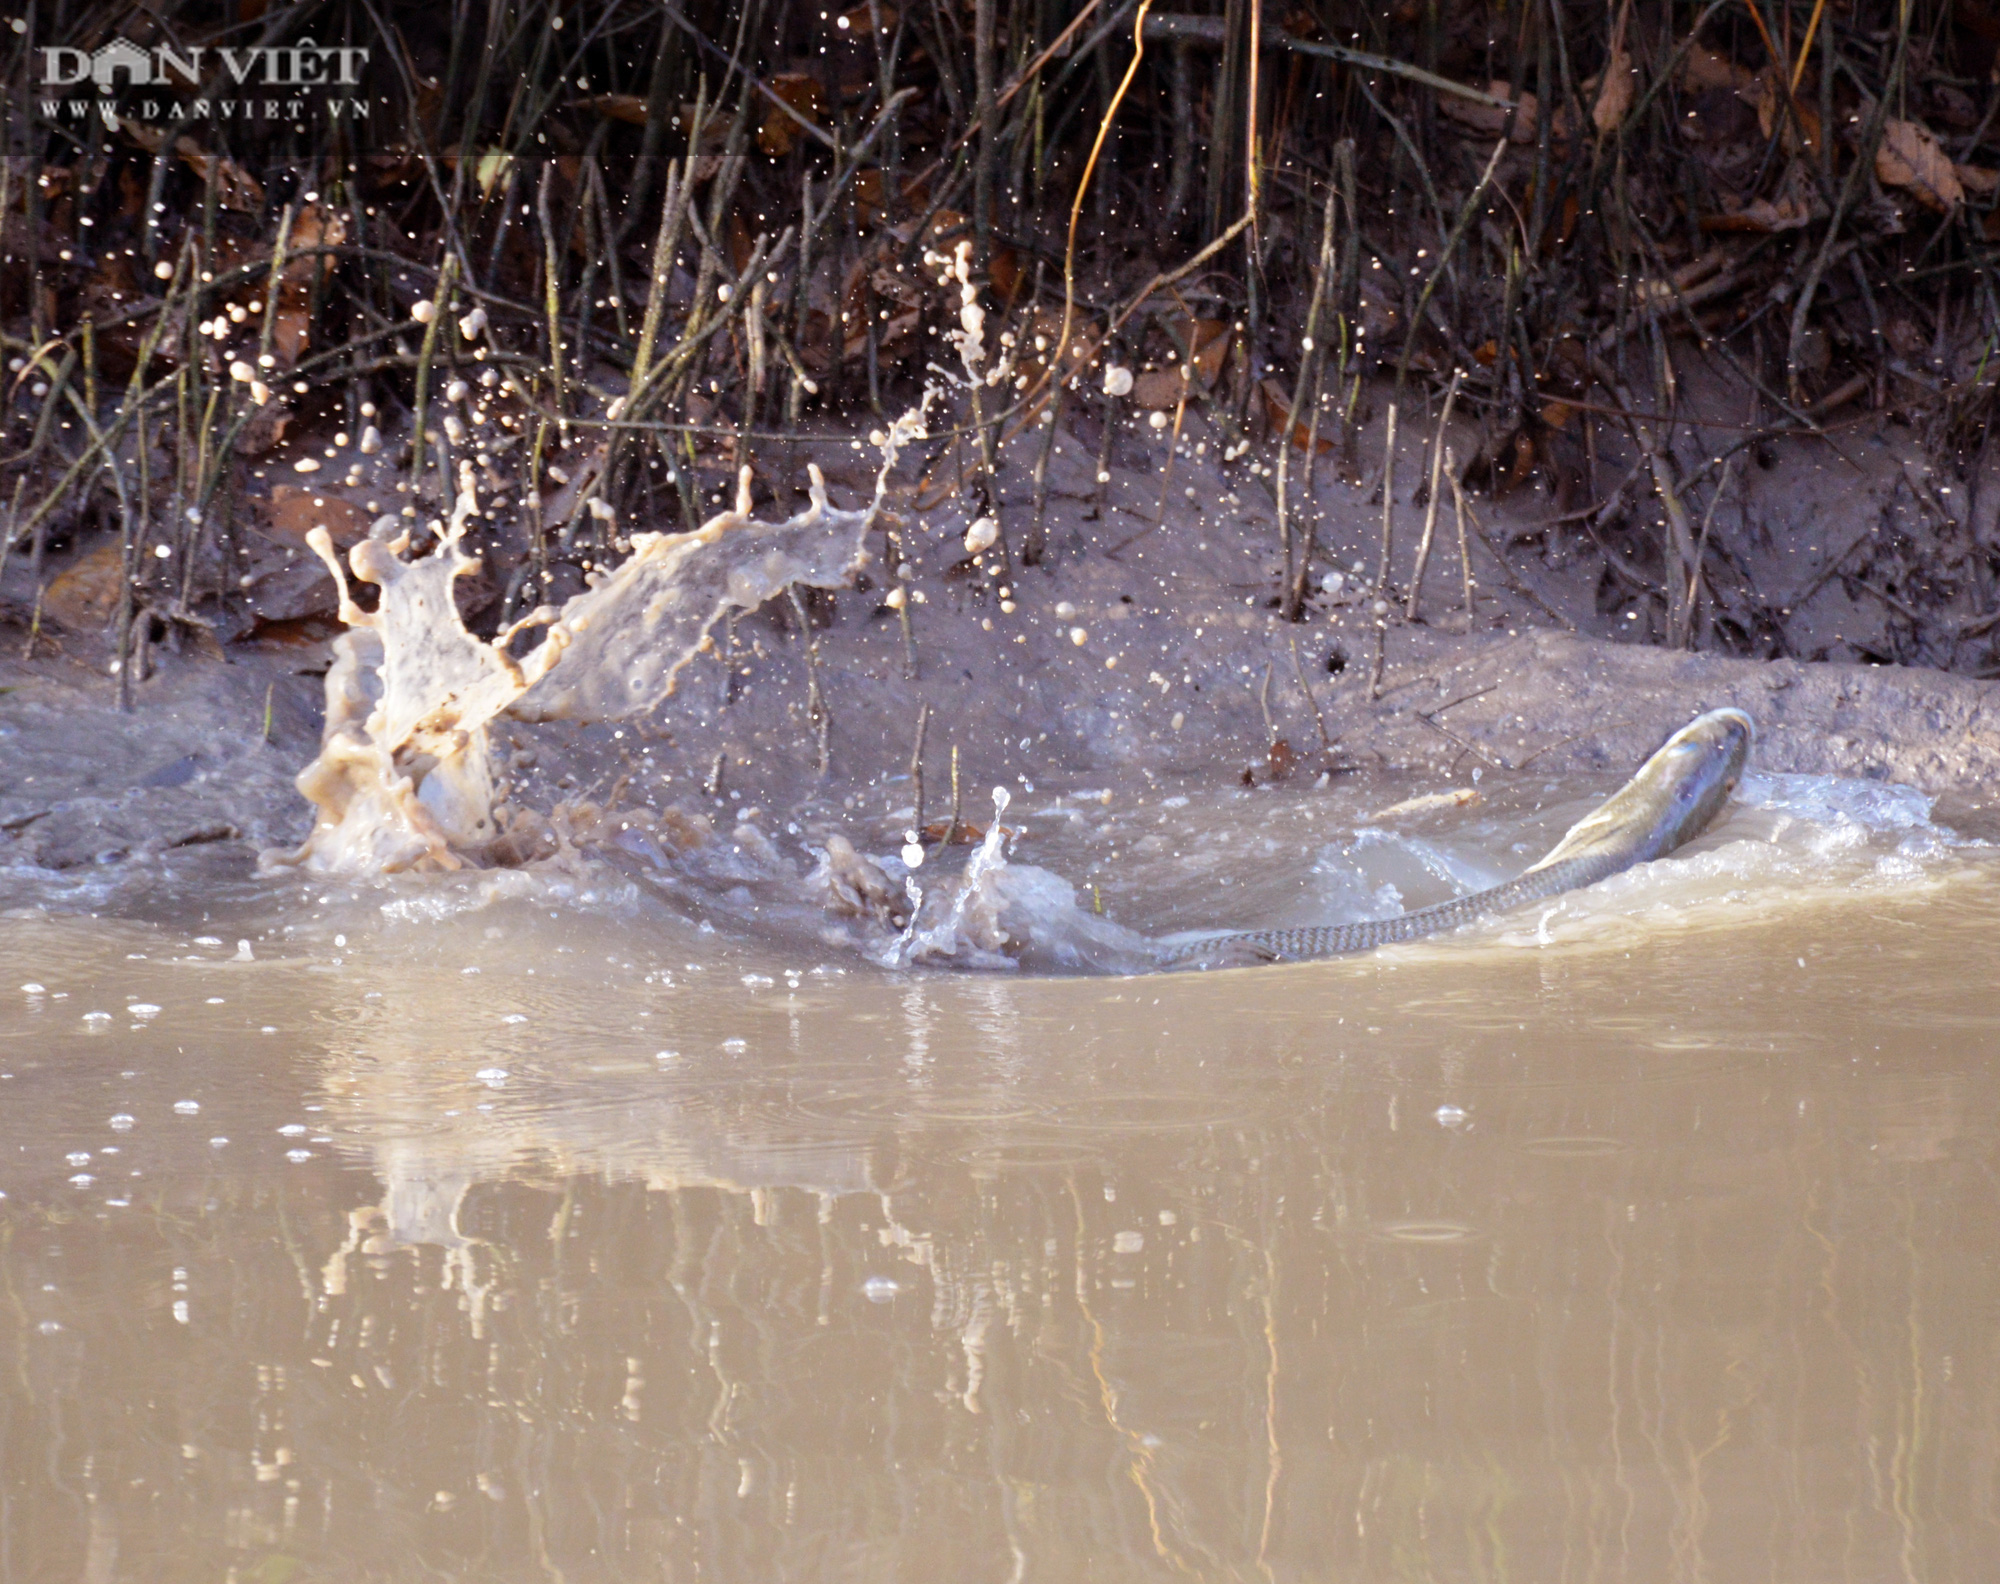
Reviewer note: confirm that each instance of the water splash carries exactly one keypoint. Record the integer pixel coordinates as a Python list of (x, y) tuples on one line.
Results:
[(404, 778), (1000, 915)]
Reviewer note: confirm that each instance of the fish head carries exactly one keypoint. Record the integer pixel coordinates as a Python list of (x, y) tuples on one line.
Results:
[(1694, 774)]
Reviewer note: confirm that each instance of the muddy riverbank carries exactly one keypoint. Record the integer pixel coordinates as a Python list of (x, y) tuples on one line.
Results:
[(1119, 666)]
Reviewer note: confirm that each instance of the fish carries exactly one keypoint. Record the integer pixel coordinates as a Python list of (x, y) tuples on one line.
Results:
[(1675, 796)]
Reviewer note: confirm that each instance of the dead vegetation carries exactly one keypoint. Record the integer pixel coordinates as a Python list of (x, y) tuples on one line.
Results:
[(584, 262)]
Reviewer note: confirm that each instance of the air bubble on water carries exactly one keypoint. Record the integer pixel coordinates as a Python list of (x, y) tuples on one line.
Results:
[(121, 1123), (97, 1017), (49, 1327), (33, 989), (77, 1158), (293, 1130), (82, 1180), (1450, 1116), (142, 1009), (492, 1077), (666, 1056), (881, 1289), (757, 981), (243, 952), (297, 1155), (187, 1107), (515, 1017), (735, 1045), (217, 1143)]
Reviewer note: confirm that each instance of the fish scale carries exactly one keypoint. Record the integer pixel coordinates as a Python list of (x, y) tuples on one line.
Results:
[(1675, 796), (1332, 940)]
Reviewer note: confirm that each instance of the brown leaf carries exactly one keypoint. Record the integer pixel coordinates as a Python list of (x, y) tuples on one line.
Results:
[(85, 597), (1704, 68), (1006, 275), (619, 107), (1978, 179), (1801, 127), (1793, 205), (1279, 407), (265, 429), (1158, 390), (1208, 342), (1491, 119), (1909, 157), (779, 133), (1614, 96), (291, 331), (235, 188), (293, 513)]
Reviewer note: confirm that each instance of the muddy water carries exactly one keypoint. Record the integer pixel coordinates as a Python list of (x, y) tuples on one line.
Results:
[(523, 1229)]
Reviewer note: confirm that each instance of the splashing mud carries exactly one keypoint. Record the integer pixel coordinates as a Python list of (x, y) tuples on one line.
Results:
[(404, 778), (1001, 915)]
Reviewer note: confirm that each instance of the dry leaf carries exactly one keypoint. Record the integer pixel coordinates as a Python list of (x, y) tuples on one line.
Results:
[(292, 513), (235, 188), (780, 132), (1207, 341), (1704, 68), (619, 107), (1490, 119), (1794, 204), (1978, 179), (1005, 274), (1279, 408), (266, 428), (85, 597), (1158, 390), (1614, 97), (1801, 128), (1909, 157)]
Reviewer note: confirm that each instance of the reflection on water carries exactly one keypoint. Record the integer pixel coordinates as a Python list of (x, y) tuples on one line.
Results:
[(563, 1242)]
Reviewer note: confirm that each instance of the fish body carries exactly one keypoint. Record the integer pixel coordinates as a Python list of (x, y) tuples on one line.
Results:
[(1673, 798)]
